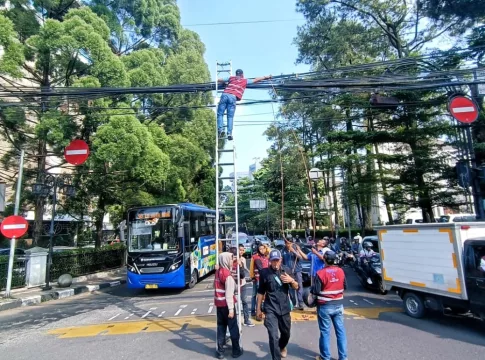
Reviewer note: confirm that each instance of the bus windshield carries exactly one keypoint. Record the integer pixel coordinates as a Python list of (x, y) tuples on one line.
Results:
[(153, 230)]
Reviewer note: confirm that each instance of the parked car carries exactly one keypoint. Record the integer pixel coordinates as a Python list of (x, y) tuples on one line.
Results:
[(263, 239)]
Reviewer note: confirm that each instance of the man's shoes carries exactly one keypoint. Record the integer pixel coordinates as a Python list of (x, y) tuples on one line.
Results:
[(284, 353), (229, 137), (238, 353), (222, 134), (219, 355), (248, 323)]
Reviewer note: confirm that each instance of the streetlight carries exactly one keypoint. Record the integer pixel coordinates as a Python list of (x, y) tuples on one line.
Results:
[(315, 174), (52, 183)]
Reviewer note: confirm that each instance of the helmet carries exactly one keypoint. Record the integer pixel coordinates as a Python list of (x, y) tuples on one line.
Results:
[(367, 244), (239, 72), (330, 255), (309, 299), (289, 237)]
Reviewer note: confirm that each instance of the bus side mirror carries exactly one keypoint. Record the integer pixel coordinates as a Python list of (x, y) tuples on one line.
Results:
[(180, 232)]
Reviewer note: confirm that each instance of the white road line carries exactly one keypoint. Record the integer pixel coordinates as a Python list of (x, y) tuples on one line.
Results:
[(368, 301), (129, 316), (114, 317), (353, 302), (193, 312), (148, 312), (161, 314), (178, 312), (211, 306), (183, 306)]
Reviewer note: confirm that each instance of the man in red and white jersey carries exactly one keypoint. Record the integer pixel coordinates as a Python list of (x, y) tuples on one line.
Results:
[(234, 91)]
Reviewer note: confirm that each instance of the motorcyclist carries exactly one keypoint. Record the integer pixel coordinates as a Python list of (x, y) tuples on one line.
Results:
[(365, 254), (334, 246), (356, 246), (346, 249)]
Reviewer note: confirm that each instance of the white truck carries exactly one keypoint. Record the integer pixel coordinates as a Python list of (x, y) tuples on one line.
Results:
[(439, 266)]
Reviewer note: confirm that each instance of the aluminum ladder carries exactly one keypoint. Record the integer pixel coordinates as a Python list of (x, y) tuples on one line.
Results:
[(225, 166)]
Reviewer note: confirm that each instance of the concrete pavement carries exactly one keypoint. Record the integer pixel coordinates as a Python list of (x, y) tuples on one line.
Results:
[(118, 323)]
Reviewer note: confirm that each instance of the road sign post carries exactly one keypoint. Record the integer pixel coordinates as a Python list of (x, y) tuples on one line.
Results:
[(77, 152)]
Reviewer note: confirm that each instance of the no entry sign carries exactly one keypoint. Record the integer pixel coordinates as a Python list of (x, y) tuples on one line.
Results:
[(463, 109), (77, 152), (14, 226)]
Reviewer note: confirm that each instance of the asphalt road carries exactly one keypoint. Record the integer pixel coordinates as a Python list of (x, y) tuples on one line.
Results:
[(119, 323)]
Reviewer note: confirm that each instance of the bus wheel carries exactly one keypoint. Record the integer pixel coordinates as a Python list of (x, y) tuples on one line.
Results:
[(194, 278)]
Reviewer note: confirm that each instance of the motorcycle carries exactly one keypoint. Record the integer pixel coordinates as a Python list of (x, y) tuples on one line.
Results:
[(370, 274)]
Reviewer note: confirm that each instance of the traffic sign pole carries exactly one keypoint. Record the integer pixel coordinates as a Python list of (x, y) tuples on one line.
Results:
[(16, 212)]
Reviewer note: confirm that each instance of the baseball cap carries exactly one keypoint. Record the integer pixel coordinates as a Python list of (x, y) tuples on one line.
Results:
[(239, 72), (274, 255), (330, 255)]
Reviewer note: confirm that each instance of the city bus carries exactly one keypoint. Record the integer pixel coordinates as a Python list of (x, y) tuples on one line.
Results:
[(170, 246)]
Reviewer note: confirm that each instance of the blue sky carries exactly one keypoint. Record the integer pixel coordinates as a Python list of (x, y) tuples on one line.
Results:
[(259, 49)]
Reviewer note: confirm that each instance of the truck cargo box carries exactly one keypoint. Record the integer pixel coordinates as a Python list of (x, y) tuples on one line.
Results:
[(426, 257)]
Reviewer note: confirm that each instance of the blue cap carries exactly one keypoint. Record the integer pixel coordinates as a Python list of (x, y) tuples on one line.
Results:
[(330, 255), (239, 72), (274, 255)]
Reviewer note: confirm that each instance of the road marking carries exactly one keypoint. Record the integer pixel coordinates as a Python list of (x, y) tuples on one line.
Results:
[(148, 312), (211, 307), (129, 316), (193, 311), (161, 314), (353, 302), (114, 317), (367, 301)]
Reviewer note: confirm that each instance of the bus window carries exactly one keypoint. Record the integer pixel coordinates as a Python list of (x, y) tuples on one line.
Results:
[(210, 224)]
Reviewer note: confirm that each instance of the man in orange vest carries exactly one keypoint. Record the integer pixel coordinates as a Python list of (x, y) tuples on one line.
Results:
[(225, 301), (329, 289), (234, 91)]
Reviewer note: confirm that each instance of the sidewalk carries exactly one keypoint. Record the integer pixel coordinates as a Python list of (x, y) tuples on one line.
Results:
[(80, 285)]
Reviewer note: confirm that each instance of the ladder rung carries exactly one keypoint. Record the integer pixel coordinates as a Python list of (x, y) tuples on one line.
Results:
[(225, 164), (227, 206), (225, 150), (227, 239), (226, 177), (227, 223), (226, 192)]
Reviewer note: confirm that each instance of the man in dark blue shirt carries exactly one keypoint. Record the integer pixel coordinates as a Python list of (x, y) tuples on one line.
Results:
[(291, 259)]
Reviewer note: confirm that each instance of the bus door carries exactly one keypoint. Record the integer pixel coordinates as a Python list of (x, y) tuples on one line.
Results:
[(188, 246)]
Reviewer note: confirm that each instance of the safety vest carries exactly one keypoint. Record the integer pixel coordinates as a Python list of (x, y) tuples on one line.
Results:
[(236, 86), (332, 279), (220, 287), (264, 261)]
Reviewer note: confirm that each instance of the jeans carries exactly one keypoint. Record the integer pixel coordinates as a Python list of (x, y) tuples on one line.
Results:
[(253, 298), (244, 295), (297, 294), (227, 101), (328, 314), (277, 341), (223, 322)]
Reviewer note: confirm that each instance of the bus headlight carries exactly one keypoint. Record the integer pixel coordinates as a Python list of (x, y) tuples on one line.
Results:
[(176, 265)]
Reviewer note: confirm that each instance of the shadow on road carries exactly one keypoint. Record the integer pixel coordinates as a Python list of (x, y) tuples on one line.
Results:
[(294, 350), (464, 329), (201, 341)]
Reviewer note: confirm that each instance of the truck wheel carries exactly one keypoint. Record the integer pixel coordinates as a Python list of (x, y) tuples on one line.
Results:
[(194, 278), (414, 305)]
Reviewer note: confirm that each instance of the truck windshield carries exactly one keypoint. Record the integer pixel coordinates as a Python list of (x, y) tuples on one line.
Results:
[(157, 233)]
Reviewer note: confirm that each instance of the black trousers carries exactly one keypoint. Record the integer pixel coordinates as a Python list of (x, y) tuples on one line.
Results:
[(277, 342), (223, 322)]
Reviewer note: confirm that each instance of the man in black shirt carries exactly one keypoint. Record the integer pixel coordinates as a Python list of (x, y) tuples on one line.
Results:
[(274, 286)]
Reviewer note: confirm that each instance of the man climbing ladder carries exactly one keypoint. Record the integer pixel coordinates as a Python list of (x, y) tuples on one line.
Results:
[(233, 92)]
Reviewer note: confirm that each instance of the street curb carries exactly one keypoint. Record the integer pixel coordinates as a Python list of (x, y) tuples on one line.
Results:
[(57, 294)]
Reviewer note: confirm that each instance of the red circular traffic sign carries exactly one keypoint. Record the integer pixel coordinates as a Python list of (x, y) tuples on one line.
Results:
[(14, 226), (463, 109), (77, 152)]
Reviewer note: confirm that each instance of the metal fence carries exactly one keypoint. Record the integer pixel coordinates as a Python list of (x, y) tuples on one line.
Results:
[(86, 261), (18, 275)]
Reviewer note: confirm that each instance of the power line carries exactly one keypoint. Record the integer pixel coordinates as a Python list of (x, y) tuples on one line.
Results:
[(244, 22)]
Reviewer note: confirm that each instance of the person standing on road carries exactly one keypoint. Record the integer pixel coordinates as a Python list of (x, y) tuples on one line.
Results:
[(225, 300), (291, 259), (274, 286), (316, 256), (328, 289), (241, 262), (259, 262)]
